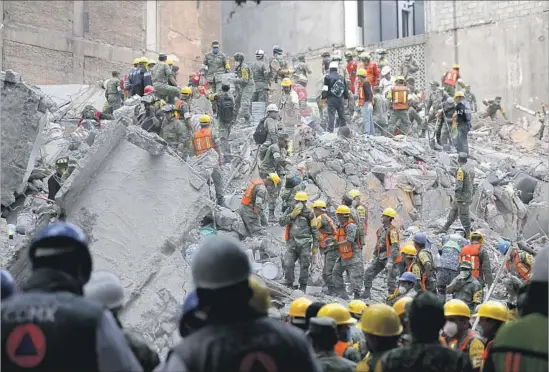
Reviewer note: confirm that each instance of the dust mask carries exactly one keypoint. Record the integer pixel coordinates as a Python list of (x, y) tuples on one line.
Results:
[(402, 289), (450, 329)]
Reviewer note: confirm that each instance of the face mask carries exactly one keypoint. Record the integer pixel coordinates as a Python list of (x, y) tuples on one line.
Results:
[(402, 289), (465, 273), (215, 50), (450, 329)]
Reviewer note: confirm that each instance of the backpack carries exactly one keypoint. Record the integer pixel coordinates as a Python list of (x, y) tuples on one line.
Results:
[(338, 88), (261, 132), (226, 108)]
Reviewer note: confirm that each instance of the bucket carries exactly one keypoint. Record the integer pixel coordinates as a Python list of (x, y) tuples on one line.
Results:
[(270, 271)]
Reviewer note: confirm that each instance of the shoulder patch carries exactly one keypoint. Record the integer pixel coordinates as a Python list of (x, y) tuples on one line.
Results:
[(460, 174), (477, 297), (416, 271), (423, 257), (476, 349), (393, 236)]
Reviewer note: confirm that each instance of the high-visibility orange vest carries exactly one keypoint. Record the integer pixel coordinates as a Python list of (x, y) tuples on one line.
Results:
[(451, 77), (400, 97), (522, 267), (247, 199), (345, 249), (372, 74), (361, 97), (387, 242), (203, 141), (463, 345), (324, 235), (471, 253), (340, 347)]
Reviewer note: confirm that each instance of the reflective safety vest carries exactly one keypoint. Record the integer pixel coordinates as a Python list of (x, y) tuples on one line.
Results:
[(400, 97), (351, 70), (324, 236), (485, 354), (471, 253), (415, 269), (247, 199), (372, 74), (451, 77), (203, 141), (361, 97), (345, 249), (387, 242), (465, 343), (522, 267), (340, 347)]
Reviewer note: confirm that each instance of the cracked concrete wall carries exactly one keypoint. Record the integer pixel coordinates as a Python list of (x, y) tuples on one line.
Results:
[(60, 42)]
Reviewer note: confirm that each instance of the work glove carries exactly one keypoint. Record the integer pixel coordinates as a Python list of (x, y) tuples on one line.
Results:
[(322, 103), (296, 211)]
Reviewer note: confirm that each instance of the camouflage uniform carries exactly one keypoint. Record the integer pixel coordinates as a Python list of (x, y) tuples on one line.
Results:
[(424, 259), (463, 198), (217, 65), (353, 265), (288, 194), (302, 68), (175, 133), (492, 108), (274, 128), (224, 126), (448, 268), (468, 290), (330, 252), (274, 161), (112, 93), (359, 341), (276, 76), (381, 258), (380, 112), (289, 111), (397, 296), (331, 362), (300, 237), (253, 214), (369, 362), (246, 89), (414, 117), (260, 71), (471, 346), (424, 357), (160, 74), (469, 96)]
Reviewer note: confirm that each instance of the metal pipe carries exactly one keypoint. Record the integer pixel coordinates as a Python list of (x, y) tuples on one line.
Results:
[(456, 51)]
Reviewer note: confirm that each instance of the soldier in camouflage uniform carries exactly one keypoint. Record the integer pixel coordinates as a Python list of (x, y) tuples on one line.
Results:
[(164, 82), (463, 196), (470, 96), (274, 161), (385, 254), (278, 70), (328, 246), (301, 236), (449, 265), (175, 132), (425, 262), (252, 207), (246, 89), (292, 186), (323, 334), (466, 287), (217, 64), (260, 71), (413, 100), (112, 91), (302, 67), (492, 108), (350, 250)]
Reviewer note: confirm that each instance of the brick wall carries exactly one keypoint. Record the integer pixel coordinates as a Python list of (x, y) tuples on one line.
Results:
[(440, 14), (52, 15)]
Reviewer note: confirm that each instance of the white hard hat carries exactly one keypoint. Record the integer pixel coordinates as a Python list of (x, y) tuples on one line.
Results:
[(333, 64), (105, 288), (259, 52), (272, 107), (385, 70)]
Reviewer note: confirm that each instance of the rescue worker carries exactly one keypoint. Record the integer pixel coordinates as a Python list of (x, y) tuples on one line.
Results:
[(51, 310), (470, 96), (492, 315), (519, 263), (459, 333), (400, 307), (356, 309), (112, 91), (225, 113), (463, 117), (425, 352), (432, 101), (301, 237), (252, 208), (334, 93), (174, 132), (449, 265), (323, 335), (409, 66), (382, 329), (465, 287), (350, 258), (61, 174), (147, 76), (463, 196), (365, 102), (274, 129), (260, 72), (164, 82), (278, 70), (372, 69), (399, 122), (136, 77), (246, 89), (383, 61), (344, 322), (221, 272), (406, 288), (385, 254), (216, 65), (492, 108), (297, 313), (413, 101), (204, 141), (450, 79), (8, 284), (288, 106), (352, 70), (90, 118), (274, 161), (326, 59), (292, 186), (411, 84), (380, 112), (128, 78), (361, 211), (327, 243), (445, 121), (387, 80), (425, 262), (183, 107), (300, 88), (521, 345), (147, 118), (302, 67), (106, 289), (478, 256)]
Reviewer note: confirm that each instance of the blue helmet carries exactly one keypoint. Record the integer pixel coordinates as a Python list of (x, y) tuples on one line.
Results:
[(503, 246), (190, 304), (408, 277), (8, 284), (420, 238)]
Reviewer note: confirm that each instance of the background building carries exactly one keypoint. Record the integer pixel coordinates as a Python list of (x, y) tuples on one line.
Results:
[(61, 42)]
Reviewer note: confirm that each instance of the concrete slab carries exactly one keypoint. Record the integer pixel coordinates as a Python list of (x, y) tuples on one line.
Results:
[(78, 95)]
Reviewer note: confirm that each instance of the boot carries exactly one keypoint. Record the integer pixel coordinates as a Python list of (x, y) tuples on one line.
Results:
[(303, 288), (343, 295)]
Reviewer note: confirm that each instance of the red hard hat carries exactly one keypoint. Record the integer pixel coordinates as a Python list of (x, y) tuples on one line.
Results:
[(148, 90)]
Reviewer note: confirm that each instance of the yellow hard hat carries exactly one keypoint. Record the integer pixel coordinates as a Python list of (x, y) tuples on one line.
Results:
[(459, 94), (456, 308), (409, 250), (275, 178), (261, 299), (151, 62), (205, 119), (389, 212), (400, 306), (400, 78), (493, 310), (286, 82), (357, 307), (477, 235), (361, 72), (343, 209), (319, 204), (456, 66), (354, 193), (136, 61), (380, 320), (169, 62), (299, 306), (338, 313), (186, 90), (144, 60), (301, 196)]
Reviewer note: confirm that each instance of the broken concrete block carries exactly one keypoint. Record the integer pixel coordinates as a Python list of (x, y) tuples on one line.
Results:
[(22, 125), (225, 219), (125, 114), (526, 184), (149, 142), (335, 165), (350, 169), (333, 185)]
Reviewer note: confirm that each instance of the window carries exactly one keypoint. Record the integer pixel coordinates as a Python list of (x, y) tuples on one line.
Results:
[(405, 23), (360, 12)]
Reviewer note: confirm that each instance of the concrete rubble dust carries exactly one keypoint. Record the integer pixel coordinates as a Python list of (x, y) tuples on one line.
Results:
[(145, 209)]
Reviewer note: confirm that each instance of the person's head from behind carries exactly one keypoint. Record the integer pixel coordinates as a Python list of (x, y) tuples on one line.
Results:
[(381, 327), (107, 289), (225, 87), (322, 333), (426, 317), (312, 311)]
